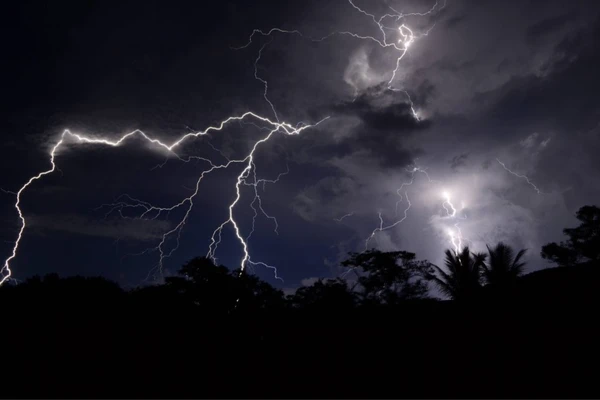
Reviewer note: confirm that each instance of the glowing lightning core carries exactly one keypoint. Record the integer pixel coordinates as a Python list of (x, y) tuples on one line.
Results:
[(455, 237)]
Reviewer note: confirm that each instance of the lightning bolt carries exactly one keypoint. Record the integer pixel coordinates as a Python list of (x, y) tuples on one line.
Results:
[(187, 203), (456, 237), (340, 219), (398, 37), (412, 170), (520, 176), (381, 226), (263, 81), (404, 38), (447, 201)]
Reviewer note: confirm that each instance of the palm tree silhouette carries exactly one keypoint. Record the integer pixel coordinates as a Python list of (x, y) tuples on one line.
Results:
[(463, 279), (503, 267)]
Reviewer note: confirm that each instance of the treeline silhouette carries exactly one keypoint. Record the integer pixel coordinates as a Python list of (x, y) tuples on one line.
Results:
[(214, 332)]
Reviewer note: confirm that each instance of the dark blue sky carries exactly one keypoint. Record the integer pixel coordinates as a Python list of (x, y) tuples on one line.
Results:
[(490, 81)]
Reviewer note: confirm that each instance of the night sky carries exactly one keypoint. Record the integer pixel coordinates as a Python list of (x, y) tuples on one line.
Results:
[(491, 82)]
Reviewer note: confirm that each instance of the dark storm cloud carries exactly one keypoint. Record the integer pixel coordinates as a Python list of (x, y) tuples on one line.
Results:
[(563, 95), (454, 21), (458, 161), (496, 75), (564, 105), (393, 117), (124, 229), (487, 77), (548, 25), (463, 76), (385, 120)]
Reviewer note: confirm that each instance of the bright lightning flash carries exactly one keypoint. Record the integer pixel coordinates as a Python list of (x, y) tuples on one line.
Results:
[(456, 237), (246, 177), (404, 38)]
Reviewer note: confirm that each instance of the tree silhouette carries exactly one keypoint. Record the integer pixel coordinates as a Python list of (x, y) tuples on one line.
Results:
[(204, 284), (330, 294), (463, 280), (583, 243), (389, 277), (502, 268), (253, 294), (212, 326), (217, 289)]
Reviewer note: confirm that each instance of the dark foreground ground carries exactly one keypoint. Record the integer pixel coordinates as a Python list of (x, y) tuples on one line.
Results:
[(542, 343)]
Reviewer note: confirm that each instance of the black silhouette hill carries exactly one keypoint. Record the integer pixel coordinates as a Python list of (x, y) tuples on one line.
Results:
[(86, 337), (567, 285), (210, 332)]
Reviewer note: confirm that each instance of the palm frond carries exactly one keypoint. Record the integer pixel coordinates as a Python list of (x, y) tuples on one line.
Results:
[(444, 275), (503, 265), (463, 273), (518, 266), (444, 287)]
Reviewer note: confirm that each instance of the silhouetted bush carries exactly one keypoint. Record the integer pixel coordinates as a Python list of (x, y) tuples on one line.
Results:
[(584, 241)]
